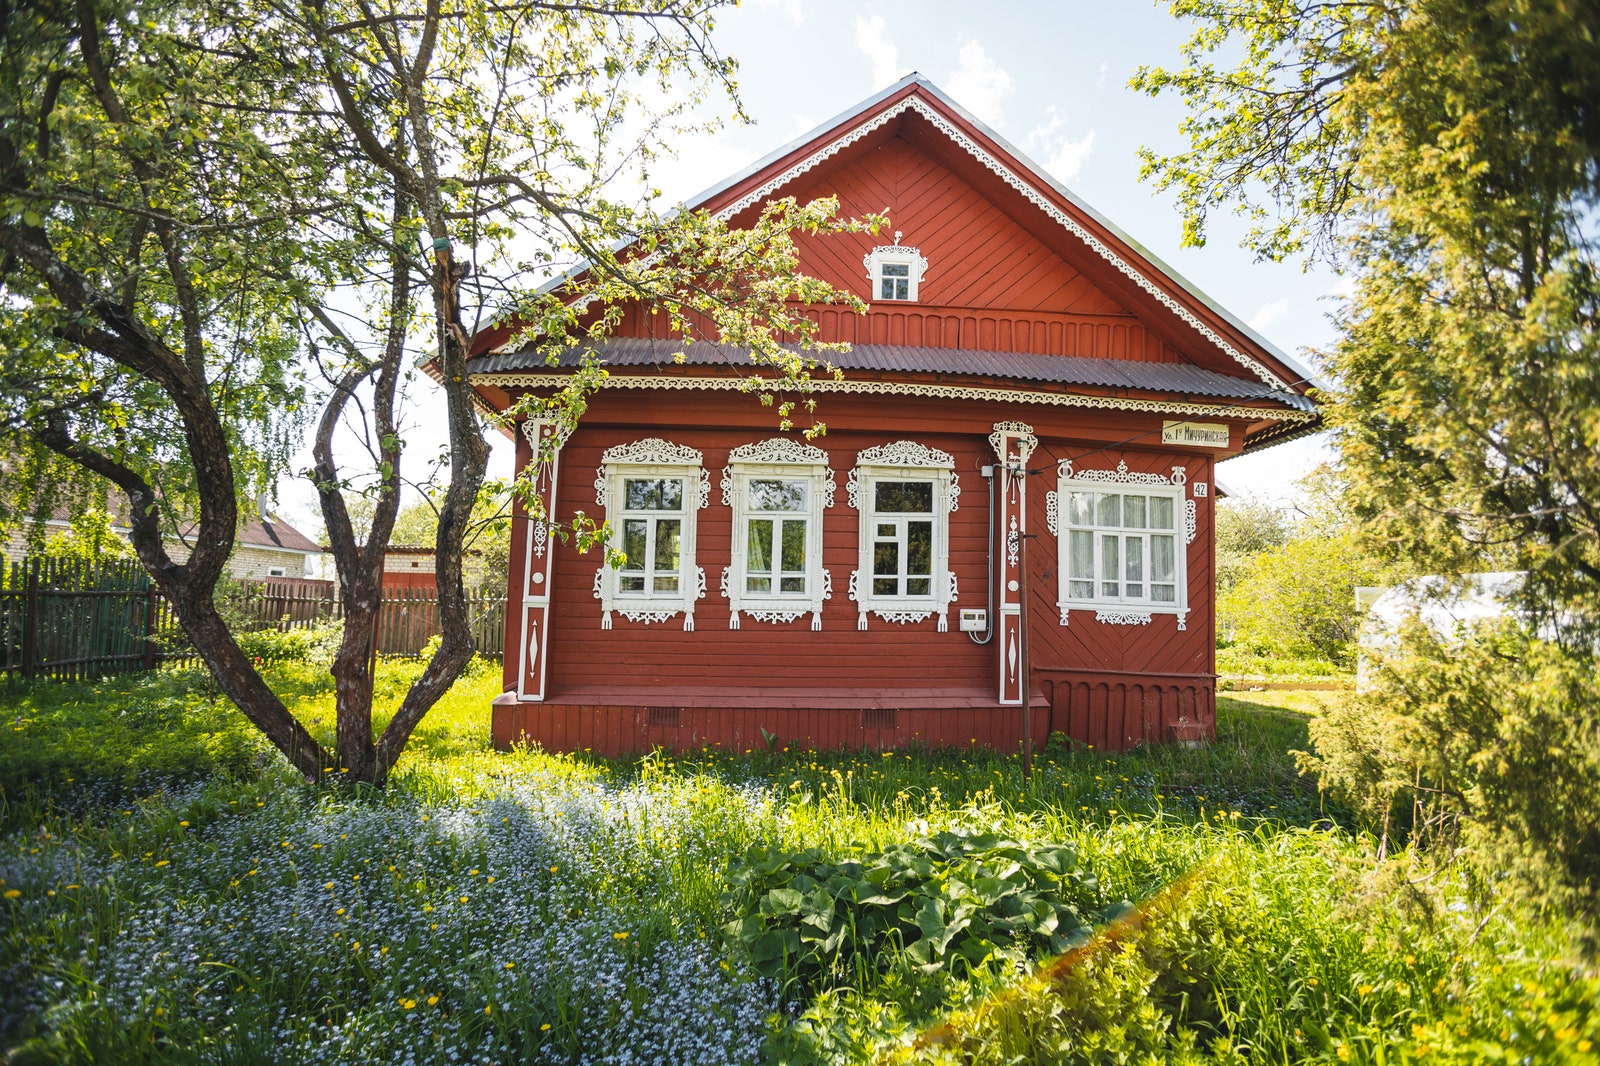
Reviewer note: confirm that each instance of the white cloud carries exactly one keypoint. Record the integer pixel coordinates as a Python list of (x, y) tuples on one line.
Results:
[(1269, 315), (872, 37), (1061, 155), (791, 8), (979, 84)]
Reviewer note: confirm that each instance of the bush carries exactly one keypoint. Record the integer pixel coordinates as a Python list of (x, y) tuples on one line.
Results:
[(1298, 599), (956, 896), (1490, 744), (314, 644)]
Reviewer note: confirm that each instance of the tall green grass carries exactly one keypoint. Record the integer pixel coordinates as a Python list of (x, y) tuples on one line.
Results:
[(172, 893)]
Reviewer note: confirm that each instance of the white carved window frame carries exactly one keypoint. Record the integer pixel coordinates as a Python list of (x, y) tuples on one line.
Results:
[(900, 255), (653, 458), (1122, 610), (777, 459), (905, 460)]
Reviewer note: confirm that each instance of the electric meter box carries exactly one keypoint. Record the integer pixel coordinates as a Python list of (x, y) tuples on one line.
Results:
[(974, 620)]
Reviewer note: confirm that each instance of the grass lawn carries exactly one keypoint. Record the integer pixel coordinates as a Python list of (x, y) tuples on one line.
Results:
[(171, 893)]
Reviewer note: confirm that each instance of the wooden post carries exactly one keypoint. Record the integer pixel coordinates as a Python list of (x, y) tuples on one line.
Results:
[(30, 621), (150, 625)]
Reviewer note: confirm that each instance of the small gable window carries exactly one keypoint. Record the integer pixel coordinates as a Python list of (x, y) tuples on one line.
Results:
[(895, 270)]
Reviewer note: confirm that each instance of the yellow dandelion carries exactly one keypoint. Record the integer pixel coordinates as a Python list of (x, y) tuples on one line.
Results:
[(339, 911), (1585, 1045), (184, 824), (13, 893), (408, 1004), (489, 1009), (463, 899), (163, 862), (1363, 990), (619, 936), (511, 966), (432, 1000)]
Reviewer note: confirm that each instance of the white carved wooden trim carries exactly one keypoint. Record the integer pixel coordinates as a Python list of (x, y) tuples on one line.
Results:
[(525, 379), (785, 458), (1028, 189), (1026, 441), (895, 253), (1121, 478), (896, 461), (1123, 618), (653, 456)]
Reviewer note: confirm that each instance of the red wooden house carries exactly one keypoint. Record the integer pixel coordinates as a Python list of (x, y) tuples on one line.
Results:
[(1012, 500)]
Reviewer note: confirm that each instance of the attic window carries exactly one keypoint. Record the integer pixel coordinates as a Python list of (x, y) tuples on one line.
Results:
[(894, 270)]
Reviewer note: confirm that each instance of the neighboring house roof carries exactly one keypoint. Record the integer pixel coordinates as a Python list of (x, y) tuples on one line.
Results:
[(258, 531), (274, 532)]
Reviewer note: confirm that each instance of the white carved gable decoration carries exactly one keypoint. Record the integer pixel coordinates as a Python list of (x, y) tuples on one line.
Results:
[(1024, 186), (780, 455), (653, 455)]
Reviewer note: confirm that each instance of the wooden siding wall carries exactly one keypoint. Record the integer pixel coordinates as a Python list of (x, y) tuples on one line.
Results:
[(991, 285), (1103, 684)]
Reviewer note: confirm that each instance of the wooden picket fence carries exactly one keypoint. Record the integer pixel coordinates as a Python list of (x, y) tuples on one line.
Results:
[(70, 620), (407, 619)]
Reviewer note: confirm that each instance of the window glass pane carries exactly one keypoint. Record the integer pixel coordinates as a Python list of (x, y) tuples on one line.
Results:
[(667, 584), (1163, 564), (1110, 508), (758, 547), (1133, 551), (887, 292), (919, 547), (758, 584), (792, 584), (1080, 554), (1080, 508), (897, 270), (1109, 565), (886, 586), (1080, 590), (1161, 512), (1133, 512), (774, 495), (634, 539), (630, 584), (1164, 593), (667, 531), (886, 557), (902, 289), (919, 586), (652, 494), (901, 496), (794, 545), (886, 529)]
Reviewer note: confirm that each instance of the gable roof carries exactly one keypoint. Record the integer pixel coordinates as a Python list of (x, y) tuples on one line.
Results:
[(1151, 289), (916, 93)]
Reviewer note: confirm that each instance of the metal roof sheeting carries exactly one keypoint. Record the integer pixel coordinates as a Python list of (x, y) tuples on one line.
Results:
[(1122, 374)]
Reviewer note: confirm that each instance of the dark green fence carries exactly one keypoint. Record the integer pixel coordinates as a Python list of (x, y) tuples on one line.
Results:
[(70, 620)]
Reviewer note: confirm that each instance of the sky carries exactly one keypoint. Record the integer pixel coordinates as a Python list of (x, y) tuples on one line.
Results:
[(1051, 76)]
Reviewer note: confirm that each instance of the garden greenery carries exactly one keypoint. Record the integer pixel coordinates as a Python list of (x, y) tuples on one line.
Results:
[(169, 897)]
